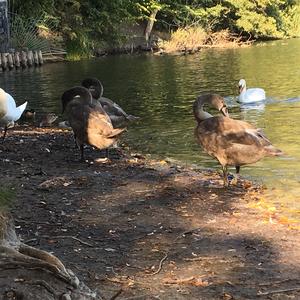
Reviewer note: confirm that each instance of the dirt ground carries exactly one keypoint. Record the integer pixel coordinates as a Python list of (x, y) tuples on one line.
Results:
[(136, 228)]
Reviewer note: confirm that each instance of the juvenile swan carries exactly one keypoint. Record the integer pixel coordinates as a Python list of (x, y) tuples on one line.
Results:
[(231, 142), (9, 112), (117, 115), (250, 95), (90, 124)]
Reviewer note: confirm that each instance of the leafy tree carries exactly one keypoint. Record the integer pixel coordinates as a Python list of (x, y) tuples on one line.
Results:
[(83, 23)]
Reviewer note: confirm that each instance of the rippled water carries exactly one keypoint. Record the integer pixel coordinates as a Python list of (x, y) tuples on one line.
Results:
[(161, 90)]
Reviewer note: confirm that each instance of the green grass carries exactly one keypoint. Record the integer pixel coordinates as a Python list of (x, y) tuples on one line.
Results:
[(7, 196)]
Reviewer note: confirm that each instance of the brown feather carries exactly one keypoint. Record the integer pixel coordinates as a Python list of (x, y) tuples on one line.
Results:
[(231, 142), (90, 124)]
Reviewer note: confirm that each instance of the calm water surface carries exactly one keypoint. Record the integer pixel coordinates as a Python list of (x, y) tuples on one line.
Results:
[(161, 91)]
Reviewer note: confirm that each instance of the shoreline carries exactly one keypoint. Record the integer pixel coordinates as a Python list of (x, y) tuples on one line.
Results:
[(144, 227)]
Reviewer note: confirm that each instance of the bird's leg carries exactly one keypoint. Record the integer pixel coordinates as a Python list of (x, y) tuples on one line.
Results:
[(81, 153), (225, 174), (4, 135), (107, 153), (236, 177), (74, 136)]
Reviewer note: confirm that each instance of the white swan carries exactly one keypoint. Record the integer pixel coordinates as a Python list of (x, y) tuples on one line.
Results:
[(250, 95), (9, 112)]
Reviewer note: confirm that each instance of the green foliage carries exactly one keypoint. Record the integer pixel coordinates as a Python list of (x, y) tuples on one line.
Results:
[(85, 23)]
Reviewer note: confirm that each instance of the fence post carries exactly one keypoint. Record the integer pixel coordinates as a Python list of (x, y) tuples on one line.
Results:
[(17, 60)]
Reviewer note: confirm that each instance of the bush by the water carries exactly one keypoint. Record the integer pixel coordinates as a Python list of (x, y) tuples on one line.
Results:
[(193, 38)]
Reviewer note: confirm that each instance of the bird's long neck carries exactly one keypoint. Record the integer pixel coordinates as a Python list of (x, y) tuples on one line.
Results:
[(74, 92), (94, 86), (199, 113), (242, 89)]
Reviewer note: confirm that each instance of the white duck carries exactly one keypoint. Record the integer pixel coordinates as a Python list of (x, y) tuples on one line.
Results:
[(250, 95), (9, 112)]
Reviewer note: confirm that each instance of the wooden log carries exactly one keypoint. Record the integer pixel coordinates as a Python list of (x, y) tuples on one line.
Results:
[(23, 60), (17, 59), (35, 58), (4, 61), (29, 58), (40, 56), (10, 61)]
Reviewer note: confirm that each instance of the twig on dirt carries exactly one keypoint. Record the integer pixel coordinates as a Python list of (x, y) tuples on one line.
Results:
[(42, 283), (189, 231), (278, 282), (29, 241), (198, 258), (137, 297), (35, 222), (116, 295), (66, 237), (160, 266), (278, 291)]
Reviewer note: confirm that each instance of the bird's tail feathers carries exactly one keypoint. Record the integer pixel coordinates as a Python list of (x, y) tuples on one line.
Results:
[(132, 118), (19, 110), (116, 132), (272, 151)]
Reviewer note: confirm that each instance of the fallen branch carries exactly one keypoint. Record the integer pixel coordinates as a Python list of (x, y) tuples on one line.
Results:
[(278, 291), (278, 282), (137, 297), (198, 258), (160, 266), (116, 295), (66, 237), (43, 284)]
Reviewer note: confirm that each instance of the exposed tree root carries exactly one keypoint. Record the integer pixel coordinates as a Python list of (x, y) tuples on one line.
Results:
[(30, 273)]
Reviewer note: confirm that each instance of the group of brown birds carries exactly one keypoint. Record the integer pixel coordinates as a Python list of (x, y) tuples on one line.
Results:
[(98, 121), (94, 119)]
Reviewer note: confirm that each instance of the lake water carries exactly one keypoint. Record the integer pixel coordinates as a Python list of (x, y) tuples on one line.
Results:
[(161, 90)]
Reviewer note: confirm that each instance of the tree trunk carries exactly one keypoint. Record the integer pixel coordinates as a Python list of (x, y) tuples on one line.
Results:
[(30, 273), (150, 24)]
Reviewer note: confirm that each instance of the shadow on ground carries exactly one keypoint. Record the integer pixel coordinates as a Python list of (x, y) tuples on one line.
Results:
[(143, 229)]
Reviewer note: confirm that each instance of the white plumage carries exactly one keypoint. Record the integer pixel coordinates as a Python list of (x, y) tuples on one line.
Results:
[(9, 112), (250, 95)]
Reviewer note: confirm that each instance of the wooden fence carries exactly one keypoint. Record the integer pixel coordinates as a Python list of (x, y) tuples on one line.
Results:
[(15, 60)]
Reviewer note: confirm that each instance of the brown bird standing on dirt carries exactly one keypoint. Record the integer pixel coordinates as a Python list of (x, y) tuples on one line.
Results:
[(117, 115), (231, 142), (90, 124)]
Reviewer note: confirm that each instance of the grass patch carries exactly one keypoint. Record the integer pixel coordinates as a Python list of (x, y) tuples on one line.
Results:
[(225, 39), (192, 39), (80, 46), (184, 39)]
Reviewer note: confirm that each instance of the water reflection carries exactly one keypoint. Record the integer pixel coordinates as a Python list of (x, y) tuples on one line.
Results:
[(161, 91)]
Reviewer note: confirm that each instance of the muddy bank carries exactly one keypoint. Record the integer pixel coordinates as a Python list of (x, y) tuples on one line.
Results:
[(135, 228)]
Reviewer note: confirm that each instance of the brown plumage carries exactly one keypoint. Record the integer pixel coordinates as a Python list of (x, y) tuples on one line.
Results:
[(117, 115), (231, 142), (90, 124)]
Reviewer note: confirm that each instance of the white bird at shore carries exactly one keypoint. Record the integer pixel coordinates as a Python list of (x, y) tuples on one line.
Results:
[(9, 112), (250, 95)]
